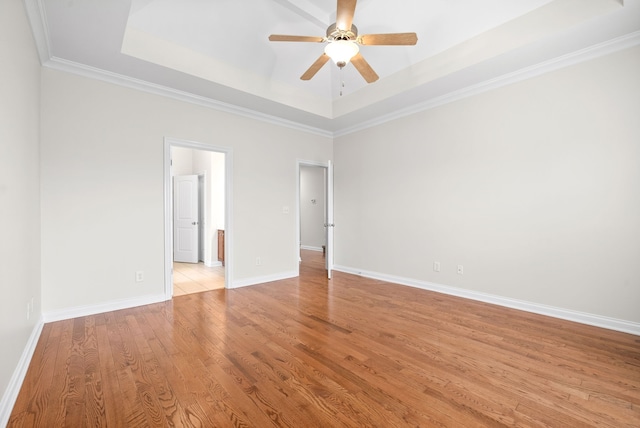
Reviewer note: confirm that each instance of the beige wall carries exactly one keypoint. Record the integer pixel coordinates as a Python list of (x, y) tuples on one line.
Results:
[(19, 193), (534, 188), (102, 188)]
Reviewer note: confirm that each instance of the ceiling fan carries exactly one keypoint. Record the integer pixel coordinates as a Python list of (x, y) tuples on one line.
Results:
[(343, 40)]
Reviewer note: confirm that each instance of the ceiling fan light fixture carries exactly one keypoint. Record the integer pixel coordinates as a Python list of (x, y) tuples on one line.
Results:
[(341, 51)]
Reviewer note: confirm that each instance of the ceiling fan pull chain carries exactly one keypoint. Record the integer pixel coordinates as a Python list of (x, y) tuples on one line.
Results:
[(341, 80)]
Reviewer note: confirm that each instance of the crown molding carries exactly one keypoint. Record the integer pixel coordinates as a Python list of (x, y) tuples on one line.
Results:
[(142, 85), (39, 28), (40, 31), (582, 55)]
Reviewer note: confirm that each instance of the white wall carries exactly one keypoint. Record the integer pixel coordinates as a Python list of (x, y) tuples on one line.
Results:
[(534, 188), (19, 194), (102, 189), (312, 215), (181, 161), (217, 183), (215, 172)]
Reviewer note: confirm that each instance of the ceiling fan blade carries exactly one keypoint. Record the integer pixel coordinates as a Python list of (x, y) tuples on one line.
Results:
[(285, 38), (344, 14), (364, 68), (389, 39), (315, 67)]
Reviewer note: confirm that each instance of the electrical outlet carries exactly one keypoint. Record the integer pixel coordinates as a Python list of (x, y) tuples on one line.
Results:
[(139, 276), (258, 261), (436, 266), (285, 210), (460, 269)]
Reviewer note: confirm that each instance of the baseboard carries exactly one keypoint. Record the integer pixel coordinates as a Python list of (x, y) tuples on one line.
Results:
[(211, 263), (555, 312), (262, 279), (310, 248), (114, 305), (15, 383)]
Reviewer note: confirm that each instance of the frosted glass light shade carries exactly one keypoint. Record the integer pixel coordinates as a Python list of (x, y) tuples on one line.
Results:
[(341, 51)]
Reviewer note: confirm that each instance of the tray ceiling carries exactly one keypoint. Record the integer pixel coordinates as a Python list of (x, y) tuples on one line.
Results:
[(217, 52)]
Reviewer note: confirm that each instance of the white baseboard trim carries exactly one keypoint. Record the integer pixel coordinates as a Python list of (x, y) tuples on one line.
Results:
[(10, 394), (262, 279), (114, 305), (555, 312), (310, 248), (211, 263)]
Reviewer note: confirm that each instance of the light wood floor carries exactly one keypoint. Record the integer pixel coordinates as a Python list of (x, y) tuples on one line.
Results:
[(309, 352), (196, 277)]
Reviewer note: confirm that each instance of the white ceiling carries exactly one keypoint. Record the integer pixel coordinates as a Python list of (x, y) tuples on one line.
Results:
[(216, 52)]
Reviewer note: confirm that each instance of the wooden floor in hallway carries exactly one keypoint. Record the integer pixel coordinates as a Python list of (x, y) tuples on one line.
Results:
[(312, 352)]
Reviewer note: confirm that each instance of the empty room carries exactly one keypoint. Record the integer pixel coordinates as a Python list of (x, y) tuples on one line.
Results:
[(320, 213)]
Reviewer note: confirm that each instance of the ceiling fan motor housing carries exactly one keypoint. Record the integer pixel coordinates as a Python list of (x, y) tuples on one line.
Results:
[(335, 33)]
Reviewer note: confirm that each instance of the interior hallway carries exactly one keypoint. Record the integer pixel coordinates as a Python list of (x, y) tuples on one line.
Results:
[(191, 278)]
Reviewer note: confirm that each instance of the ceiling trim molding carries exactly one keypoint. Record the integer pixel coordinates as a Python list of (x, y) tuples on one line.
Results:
[(141, 85), (582, 55), (39, 28), (40, 31)]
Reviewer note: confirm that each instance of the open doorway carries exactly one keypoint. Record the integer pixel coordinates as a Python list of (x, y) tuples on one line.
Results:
[(197, 214), (315, 214), (313, 208)]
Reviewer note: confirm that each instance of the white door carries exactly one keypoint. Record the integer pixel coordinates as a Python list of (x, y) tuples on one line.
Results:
[(185, 218), (329, 225)]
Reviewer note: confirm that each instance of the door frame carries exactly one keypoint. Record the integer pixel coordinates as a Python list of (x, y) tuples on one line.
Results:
[(203, 214), (301, 163), (168, 209)]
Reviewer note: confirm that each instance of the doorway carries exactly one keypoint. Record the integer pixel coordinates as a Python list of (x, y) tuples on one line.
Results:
[(210, 166), (198, 207), (315, 213)]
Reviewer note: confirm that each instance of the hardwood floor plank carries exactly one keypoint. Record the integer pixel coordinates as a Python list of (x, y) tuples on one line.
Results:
[(133, 413), (95, 413), (54, 412), (309, 352), (110, 384)]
